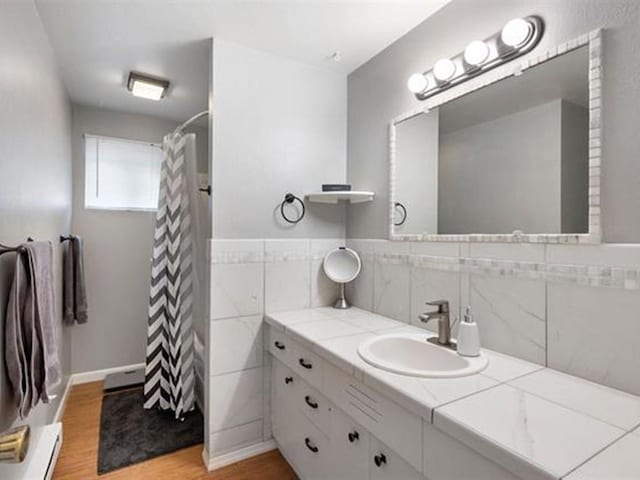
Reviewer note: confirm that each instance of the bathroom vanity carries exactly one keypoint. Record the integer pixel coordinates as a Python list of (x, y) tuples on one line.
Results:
[(336, 417)]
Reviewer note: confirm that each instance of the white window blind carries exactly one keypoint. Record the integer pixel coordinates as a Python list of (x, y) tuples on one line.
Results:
[(121, 174)]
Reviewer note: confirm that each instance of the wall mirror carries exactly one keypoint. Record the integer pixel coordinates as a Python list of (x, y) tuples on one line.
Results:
[(512, 157)]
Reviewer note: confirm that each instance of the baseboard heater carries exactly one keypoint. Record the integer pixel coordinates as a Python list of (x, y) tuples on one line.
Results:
[(42, 455)]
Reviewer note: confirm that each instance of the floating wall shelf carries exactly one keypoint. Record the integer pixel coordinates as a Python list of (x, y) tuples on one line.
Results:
[(335, 197)]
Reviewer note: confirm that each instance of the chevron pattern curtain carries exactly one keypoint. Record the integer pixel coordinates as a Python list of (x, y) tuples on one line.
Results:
[(169, 373)]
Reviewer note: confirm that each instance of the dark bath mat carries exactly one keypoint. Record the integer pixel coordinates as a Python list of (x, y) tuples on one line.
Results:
[(130, 434)]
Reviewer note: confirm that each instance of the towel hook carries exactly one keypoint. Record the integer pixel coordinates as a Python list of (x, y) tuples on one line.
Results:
[(64, 239), (289, 198)]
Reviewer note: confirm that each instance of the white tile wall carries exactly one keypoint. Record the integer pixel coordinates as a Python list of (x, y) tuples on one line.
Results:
[(572, 307), (391, 292), (287, 285), (236, 344), (594, 333), (237, 289), (510, 315), (236, 399)]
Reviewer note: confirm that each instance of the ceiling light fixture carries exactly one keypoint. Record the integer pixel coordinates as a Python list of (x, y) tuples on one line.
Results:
[(517, 37), (147, 87)]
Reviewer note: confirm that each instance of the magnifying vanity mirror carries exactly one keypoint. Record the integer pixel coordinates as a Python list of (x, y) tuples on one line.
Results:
[(342, 265), (512, 158)]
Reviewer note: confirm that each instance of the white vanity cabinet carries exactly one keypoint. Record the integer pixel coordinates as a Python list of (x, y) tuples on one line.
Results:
[(330, 426)]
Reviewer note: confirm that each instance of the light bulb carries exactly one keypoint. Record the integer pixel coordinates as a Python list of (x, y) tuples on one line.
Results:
[(444, 69), (515, 32), (417, 83), (476, 52)]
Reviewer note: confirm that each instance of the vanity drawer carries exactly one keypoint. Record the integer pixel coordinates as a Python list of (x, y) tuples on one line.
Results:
[(350, 443), (308, 365), (311, 451), (280, 345), (385, 464), (383, 418), (315, 406), (440, 449), (285, 385)]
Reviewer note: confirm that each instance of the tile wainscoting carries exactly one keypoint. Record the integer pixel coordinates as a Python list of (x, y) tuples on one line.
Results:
[(574, 308), (249, 277)]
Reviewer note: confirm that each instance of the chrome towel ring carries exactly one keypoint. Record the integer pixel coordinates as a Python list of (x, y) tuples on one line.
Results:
[(289, 198)]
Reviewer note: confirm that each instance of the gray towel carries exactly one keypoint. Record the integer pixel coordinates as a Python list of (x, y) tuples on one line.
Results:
[(15, 341), (74, 287), (47, 371), (31, 345)]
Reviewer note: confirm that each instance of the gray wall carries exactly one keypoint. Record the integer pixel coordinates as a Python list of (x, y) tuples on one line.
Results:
[(35, 165), (377, 92), (117, 250), (416, 173), (503, 175), (280, 126), (575, 168)]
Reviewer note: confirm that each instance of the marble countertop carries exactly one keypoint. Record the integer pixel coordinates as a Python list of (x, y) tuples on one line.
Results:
[(532, 420)]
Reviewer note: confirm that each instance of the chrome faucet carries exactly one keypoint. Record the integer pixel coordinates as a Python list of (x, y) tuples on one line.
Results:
[(444, 324)]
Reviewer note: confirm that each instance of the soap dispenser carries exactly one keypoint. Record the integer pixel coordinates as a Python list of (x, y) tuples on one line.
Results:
[(468, 336)]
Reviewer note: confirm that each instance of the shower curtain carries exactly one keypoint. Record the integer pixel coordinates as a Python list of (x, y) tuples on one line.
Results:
[(175, 296)]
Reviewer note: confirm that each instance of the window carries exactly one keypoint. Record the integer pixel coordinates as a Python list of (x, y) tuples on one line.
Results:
[(121, 174)]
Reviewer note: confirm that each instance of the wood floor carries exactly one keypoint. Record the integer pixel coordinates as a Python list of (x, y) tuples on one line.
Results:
[(79, 455)]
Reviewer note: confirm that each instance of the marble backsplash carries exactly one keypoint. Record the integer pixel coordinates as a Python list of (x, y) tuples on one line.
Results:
[(572, 308)]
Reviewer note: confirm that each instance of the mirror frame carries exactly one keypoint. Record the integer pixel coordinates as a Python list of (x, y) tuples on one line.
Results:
[(594, 236)]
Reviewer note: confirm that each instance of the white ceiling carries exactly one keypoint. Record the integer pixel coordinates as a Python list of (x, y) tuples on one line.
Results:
[(97, 42)]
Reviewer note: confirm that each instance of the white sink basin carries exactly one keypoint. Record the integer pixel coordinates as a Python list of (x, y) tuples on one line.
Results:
[(411, 354)]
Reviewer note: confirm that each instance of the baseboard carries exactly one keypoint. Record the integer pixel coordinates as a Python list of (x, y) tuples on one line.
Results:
[(63, 401), (237, 455), (97, 375)]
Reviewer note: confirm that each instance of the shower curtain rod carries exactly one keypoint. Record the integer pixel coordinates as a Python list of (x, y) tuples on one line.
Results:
[(197, 116)]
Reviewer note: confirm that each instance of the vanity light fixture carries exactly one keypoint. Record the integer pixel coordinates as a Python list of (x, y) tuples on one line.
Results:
[(444, 70), (516, 32), (476, 53), (148, 87), (517, 37), (417, 83)]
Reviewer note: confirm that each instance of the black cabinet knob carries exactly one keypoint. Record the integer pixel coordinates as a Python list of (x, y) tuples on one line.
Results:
[(353, 436), (288, 380), (310, 402), (279, 345), (310, 446), (305, 364), (380, 459)]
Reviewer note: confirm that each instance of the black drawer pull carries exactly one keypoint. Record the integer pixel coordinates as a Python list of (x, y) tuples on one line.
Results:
[(380, 459), (279, 345), (353, 436), (311, 447), (306, 365), (310, 402), (288, 380)]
